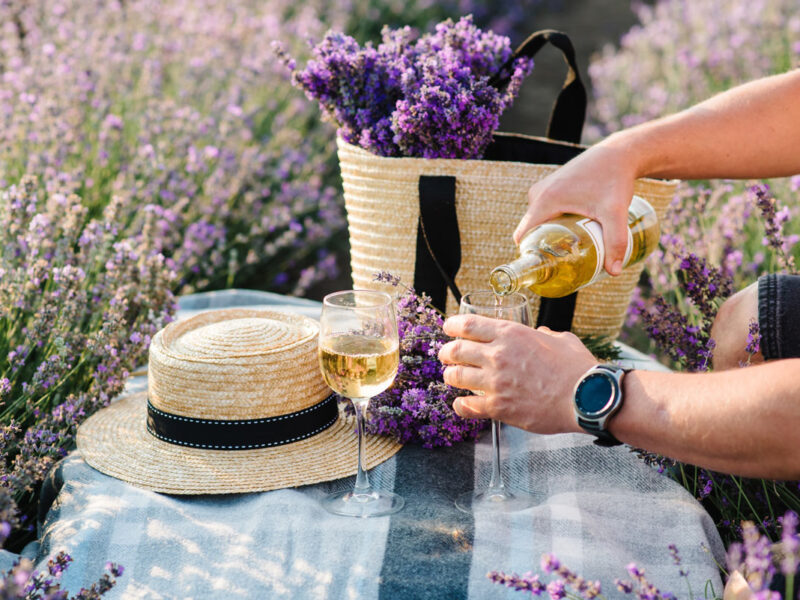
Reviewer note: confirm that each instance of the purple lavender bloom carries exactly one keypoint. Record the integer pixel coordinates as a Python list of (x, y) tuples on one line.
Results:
[(774, 220), (556, 590), (670, 329), (753, 345), (625, 587), (550, 564), (704, 285), (755, 557), (790, 543), (527, 582)]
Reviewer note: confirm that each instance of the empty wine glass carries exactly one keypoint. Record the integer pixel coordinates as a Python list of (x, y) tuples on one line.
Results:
[(497, 497), (358, 356)]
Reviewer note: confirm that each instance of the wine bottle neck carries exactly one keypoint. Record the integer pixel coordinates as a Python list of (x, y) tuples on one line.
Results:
[(529, 269)]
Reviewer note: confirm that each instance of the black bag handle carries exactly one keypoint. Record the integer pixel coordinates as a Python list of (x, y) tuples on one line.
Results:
[(569, 109)]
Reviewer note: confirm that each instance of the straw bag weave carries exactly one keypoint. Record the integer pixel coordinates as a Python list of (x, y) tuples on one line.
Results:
[(444, 224)]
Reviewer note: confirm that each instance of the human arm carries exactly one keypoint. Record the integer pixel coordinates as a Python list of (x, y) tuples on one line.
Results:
[(742, 421), (750, 131)]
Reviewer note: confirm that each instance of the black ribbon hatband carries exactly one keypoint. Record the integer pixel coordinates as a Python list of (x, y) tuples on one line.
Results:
[(242, 434)]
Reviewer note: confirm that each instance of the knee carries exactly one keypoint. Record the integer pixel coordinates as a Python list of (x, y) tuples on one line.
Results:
[(731, 327)]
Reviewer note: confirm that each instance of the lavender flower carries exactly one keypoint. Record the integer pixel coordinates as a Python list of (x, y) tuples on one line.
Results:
[(773, 224), (556, 590), (687, 344), (526, 583), (569, 584), (790, 544), (753, 557), (753, 344), (705, 286), (586, 589)]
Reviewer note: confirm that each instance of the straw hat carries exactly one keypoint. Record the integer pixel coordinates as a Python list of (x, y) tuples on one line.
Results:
[(235, 403)]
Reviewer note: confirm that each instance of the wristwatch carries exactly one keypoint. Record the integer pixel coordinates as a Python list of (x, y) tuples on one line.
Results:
[(597, 397)]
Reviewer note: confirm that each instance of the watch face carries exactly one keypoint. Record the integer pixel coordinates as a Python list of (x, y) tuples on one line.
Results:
[(595, 393)]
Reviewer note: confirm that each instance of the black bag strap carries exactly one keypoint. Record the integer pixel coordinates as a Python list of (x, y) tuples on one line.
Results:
[(569, 109), (438, 240)]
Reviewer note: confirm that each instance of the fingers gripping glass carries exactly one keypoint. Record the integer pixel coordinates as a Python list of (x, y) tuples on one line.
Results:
[(498, 496), (358, 356)]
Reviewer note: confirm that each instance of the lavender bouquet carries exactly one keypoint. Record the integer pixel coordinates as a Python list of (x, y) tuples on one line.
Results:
[(425, 96), (418, 408)]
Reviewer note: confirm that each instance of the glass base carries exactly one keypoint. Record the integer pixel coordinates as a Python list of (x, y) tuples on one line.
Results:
[(495, 500), (376, 503)]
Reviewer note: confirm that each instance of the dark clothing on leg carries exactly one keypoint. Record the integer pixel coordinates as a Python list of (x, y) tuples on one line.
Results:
[(779, 315)]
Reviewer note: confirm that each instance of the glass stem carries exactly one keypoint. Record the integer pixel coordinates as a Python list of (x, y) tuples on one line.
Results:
[(362, 486), (496, 482)]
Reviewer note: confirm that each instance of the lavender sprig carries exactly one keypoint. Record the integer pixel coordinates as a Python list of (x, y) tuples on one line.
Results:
[(753, 344), (529, 582), (759, 560), (754, 556), (22, 582), (687, 344), (774, 220)]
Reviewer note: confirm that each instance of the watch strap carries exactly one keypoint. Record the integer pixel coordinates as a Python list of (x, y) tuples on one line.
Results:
[(603, 437)]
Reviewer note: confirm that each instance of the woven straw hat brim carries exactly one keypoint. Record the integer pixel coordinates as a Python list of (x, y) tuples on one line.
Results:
[(115, 441)]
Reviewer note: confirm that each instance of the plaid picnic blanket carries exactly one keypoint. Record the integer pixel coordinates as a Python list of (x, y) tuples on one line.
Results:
[(599, 509)]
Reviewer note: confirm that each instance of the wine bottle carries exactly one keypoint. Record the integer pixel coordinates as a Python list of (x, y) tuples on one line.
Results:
[(567, 253)]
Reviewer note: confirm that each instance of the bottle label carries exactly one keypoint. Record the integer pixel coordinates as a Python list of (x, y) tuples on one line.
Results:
[(596, 234), (629, 250), (639, 208)]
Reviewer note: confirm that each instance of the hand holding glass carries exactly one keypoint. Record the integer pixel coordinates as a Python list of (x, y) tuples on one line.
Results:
[(497, 497), (359, 355)]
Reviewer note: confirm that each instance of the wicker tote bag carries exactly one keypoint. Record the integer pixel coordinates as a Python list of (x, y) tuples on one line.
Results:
[(444, 224)]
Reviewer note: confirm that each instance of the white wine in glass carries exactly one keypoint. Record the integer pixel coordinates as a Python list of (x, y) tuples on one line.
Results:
[(358, 355), (498, 496)]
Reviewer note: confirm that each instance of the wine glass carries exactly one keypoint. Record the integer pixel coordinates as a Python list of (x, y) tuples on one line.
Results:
[(358, 356), (497, 497)]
